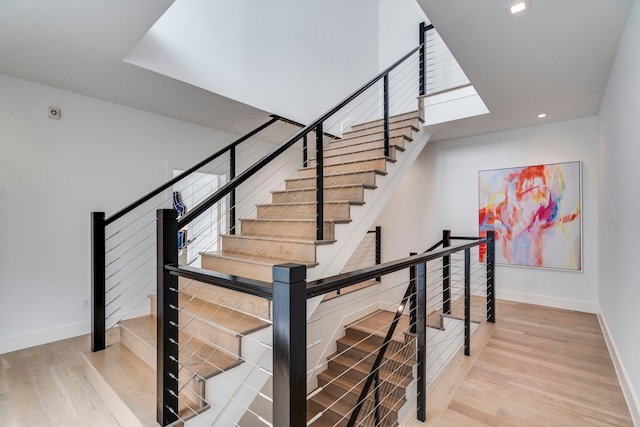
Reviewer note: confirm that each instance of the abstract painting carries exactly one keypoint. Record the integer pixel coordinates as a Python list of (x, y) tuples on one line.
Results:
[(536, 213)]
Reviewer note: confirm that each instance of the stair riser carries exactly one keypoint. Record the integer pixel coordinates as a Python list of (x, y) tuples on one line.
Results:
[(356, 375), (374, 137), (237, 267), (333, 418), (402, 131), (227, 298), (336, 150), (290, 251), (351, 397), (304, 230), (394, 123), (332, 212), (352, 194), (364, 178), (387, 363), (147, 354), (406, 347), (361, 156), (367, 165)]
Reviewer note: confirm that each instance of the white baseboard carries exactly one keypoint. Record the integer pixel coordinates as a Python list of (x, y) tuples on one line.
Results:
[(31, 339), (567, 304), (630, 394)]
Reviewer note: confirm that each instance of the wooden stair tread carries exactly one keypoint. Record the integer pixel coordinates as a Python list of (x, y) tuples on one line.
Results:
[(279, 239), (203, 360), (329, 187), (337, 151), (387, 158), (353, 388), (285, 220), (252, 259), (413, 115), (378, 323), (219, 316), (368, 347), (343, 410), (124, 380), (357, 141), (376, 171), (364, 368), (328, 202)]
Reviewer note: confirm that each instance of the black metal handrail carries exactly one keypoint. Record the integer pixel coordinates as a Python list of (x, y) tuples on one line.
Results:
[(122, 212), (313, 126)]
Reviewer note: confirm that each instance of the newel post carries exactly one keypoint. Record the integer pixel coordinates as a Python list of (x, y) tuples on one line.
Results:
[(289, 345), (98, 287), (491, 267), (167, 318)]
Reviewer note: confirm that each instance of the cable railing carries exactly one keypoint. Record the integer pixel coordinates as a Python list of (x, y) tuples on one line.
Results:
[(367, 378), (123, 244)]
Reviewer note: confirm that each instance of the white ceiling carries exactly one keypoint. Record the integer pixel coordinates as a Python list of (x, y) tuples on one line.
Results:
[(556, 58), (78, 45)]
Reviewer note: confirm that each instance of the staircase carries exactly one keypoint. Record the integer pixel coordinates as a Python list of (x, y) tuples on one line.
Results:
[(217, 319), (341, 383)]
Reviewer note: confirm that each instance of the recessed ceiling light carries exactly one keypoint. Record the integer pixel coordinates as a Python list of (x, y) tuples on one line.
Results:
[(518, 7), (542, 115)]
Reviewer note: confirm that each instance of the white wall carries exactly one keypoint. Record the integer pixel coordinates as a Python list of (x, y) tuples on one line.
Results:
[(399, 22), (98, 157), (441, 192), (288, 57), (619, 233)]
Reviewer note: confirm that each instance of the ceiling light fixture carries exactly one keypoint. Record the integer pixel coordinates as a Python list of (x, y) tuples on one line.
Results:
[(542, 115), (518, 7)]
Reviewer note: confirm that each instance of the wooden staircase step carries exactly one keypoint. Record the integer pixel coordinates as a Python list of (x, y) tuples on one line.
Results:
[(213, 323), (338, 412), (349, 146), (294, 250), (250, 266), (363, 177), (301, 228), (349, 391), (408, 118), (234, 300), (348, 192), (333, 159), (333, 211), (374, 328), (357, 370), (379, 163), (125, 383), (372, 137), (398, 361), (139, 336), (398, 129)]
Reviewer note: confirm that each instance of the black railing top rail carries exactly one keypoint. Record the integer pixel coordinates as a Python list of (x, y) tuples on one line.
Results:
[(168, 184), (252, 170), (300, 125), (318, 287)]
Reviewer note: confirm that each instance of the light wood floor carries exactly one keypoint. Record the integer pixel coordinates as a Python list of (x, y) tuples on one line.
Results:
[(536, 367)]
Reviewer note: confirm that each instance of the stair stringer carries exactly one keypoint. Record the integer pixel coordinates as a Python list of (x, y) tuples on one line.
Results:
[(332, 258), (230, 393)]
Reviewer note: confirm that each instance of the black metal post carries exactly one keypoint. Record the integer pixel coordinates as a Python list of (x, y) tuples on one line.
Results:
[(421, 356), (378, 249), (167, 318), (289, 345), (423, 69), (98, 287), (491, 256), (446, 274), (467, 301), (319, 185), (413, 307), (376, 399), (386, 114), (305, 160), (232, 194)]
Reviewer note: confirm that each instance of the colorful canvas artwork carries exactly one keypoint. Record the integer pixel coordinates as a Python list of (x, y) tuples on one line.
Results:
[(536, 213)]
